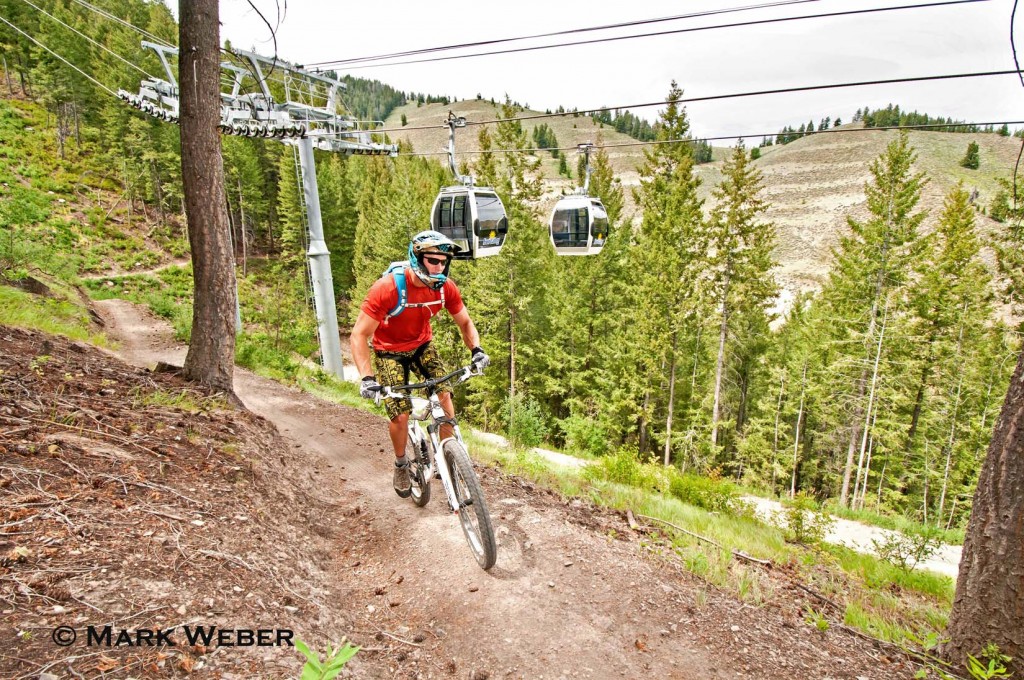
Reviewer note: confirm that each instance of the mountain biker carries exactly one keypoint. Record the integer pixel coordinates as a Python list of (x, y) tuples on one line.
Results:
[(401, 335)]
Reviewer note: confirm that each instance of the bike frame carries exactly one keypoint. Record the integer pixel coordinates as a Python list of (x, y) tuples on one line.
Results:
[(433, 412)]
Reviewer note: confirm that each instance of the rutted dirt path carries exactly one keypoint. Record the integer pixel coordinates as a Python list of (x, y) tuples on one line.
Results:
[(575, 593)]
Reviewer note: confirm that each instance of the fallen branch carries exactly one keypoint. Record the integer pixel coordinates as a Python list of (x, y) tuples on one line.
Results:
[(736, 553), (821, 597), (157, 513), (381, 631)]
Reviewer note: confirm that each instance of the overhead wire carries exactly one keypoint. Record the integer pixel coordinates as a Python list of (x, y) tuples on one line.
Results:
[(717, 97), (629, 106), (692, 29), (696, 140), (94, 42), (121, 21), (96, 82), (498, 41)]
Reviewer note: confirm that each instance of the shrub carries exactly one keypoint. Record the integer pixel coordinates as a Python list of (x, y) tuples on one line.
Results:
[(523, 420), (906, 551), (583, 435), (623, 467), (805, 521), (709, 494)]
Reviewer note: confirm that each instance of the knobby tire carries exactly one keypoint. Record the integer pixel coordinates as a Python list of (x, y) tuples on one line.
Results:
[(475, 519)]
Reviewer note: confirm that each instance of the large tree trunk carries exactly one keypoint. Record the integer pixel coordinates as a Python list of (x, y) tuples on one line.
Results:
[(989, 602), (211, 351)]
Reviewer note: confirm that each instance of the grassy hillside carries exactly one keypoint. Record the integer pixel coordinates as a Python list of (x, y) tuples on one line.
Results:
[(812, 184)]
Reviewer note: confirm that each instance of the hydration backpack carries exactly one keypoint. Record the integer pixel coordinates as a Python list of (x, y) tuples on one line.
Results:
[(397, 271)]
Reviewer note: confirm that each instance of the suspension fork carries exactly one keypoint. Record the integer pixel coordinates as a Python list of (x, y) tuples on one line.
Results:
[(446, 479)]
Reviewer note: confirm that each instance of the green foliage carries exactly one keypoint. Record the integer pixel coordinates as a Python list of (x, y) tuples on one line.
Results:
[(977, 669), (704, 492), (906, 551), (544, 138), (816, 619), (327, 667), (370, 99), (585, 436), (628, 124), (523, 421), (996, 666), (891, 115), (805, 521), (622, 467), (971, 159), (755, 153)]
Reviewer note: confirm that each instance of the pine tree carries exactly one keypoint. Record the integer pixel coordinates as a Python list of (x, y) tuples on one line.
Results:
[(951, 302), (1010, 245), (871, 265), (670, 298), (290, 207), (507, 294), (740, 261), (971, 159)]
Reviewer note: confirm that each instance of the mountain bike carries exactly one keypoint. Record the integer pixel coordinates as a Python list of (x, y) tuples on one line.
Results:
[(429, 456)]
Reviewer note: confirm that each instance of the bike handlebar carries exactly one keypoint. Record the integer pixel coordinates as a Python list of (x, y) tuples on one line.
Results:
[(404, 391)]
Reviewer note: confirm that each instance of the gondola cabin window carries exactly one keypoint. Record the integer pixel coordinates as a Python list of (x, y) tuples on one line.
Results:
[(570, 226)]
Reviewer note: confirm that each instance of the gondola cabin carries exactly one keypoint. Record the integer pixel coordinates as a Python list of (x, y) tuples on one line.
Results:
[(473, 217), (579, 226)]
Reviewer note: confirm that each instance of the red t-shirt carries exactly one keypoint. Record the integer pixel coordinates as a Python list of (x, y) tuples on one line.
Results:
[(411, 328)]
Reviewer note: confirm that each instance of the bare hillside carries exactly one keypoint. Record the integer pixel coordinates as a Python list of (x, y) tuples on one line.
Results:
[(812, 184)]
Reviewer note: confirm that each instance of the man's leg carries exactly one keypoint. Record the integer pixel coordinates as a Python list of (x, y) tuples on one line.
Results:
[(430, 365), (449, 408), (391, 372), (399, 433)]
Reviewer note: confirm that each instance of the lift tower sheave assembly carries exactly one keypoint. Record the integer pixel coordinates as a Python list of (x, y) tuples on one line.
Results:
[(307, 118)]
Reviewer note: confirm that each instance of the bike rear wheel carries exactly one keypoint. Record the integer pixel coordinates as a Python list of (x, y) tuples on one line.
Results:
[(418, 476), (473, 514)]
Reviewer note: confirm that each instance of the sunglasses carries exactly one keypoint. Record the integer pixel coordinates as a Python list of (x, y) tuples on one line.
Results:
[(435, 260)]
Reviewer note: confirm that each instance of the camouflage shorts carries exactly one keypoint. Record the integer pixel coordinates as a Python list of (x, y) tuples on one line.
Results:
[(401, 368)]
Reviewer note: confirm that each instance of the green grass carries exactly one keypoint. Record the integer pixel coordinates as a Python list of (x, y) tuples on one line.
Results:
[(881, 575), (183, 400), (60, 317), (168, 293)]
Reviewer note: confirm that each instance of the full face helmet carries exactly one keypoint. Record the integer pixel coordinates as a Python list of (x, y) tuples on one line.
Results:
[(436, 243)]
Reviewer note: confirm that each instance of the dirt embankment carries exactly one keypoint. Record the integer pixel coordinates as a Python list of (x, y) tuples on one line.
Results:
[(125, 510)]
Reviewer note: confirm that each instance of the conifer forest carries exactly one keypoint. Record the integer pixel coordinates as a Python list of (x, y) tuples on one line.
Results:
[(879, 387)]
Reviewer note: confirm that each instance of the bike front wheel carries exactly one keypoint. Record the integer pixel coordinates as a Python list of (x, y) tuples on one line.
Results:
[(473, 514)]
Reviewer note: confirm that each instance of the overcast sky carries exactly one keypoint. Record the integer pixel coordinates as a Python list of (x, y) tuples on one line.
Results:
[(894, 44)]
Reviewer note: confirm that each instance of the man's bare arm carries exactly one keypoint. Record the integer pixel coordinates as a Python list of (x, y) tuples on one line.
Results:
[(360, 338)]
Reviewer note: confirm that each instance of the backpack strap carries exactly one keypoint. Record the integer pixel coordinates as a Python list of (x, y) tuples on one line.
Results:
[(398, 274)]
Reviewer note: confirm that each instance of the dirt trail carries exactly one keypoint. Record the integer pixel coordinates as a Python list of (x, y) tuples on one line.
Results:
[(575, 593)]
